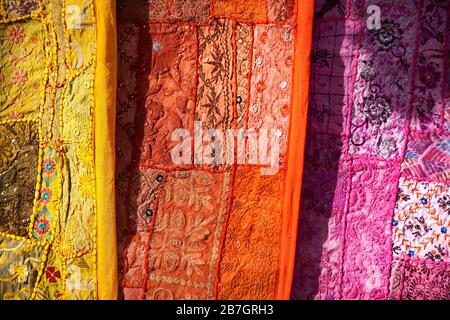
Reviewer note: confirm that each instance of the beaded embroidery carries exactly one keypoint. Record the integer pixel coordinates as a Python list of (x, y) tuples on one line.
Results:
[(47, 212)]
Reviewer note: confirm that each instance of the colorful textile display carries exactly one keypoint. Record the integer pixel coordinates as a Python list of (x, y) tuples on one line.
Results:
[(224, 149)]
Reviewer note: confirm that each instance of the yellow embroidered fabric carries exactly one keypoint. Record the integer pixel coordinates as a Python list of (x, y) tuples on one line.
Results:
[(56, 86)]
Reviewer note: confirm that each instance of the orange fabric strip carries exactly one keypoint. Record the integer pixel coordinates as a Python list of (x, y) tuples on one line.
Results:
[(297, 133)]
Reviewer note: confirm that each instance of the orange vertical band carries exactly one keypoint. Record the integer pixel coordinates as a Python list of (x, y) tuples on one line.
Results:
[(297, 133)]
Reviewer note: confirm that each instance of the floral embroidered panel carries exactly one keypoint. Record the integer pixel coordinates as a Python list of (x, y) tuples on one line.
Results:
[(375, 206), (205, 95), (47, 181)]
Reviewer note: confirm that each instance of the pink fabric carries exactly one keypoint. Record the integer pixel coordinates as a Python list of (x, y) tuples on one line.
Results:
[(375, 204)]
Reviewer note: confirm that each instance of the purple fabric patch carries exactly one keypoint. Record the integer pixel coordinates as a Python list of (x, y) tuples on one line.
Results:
[(367, 241), (414, 279)]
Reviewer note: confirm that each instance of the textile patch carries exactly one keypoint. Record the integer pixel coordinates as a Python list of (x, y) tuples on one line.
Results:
[(178, 257), (134, 264), (138, 11), (77, 111), (51, 282), (427, 156), (333, 59), (80, 30), (78, 201), (281, 10), (80, 280), (165, 89), (244, 43), (381, 98), (421, 225), (195, 11), (141, 204), (19, 266), (192, 10), (271, 81), (338, 9), (367, 255), (46, 209), (128, 46), (250, 257), (321, 222), (184, 245), (21, 8), (67, 278), (241, 8), (22, 64), (19, 146), (414, 279), (428, 100), (215, 94)]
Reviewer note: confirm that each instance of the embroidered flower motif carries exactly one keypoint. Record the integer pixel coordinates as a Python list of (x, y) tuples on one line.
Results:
[(387, 36), (19, 271), (16, 34), (19, 77), (387, 147), (49, 166), (46, 195), (424, 106), (377, 109), (52, 274), (429, 75), (85, 156), (41, 226)]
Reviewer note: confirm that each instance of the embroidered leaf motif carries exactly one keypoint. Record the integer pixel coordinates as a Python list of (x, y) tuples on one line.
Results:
[(213, 111), (218, 70)]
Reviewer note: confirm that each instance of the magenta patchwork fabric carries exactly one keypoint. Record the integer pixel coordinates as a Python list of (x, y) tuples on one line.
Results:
[(375, 207)]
